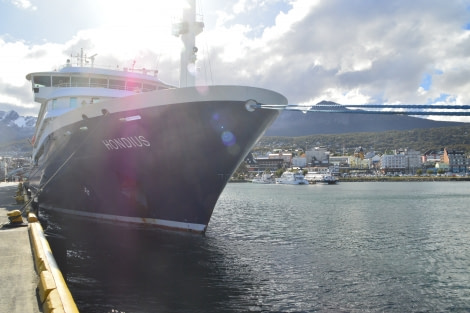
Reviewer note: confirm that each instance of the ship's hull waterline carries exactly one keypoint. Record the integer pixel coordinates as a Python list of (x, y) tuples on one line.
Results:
[(139, 160)]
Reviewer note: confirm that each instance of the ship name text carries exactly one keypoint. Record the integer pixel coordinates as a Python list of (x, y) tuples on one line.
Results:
[(126, 143)]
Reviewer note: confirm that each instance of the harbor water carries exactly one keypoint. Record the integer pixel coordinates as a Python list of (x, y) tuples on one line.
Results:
[(351, 247)]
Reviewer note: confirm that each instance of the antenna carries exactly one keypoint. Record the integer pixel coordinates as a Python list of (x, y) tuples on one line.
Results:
[(188, 29), (92, 58)]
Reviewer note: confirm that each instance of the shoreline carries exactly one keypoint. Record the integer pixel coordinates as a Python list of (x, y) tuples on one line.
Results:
[(388, 179), (403, 179)]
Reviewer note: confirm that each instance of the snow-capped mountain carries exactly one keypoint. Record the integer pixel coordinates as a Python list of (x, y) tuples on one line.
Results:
[(14, 127), (12, 118)]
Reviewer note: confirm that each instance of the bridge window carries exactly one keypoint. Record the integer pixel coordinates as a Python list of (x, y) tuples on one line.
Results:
[(99, 82), (133, 86), (41, 81), (117, 84), (80, 81), (60, 81)]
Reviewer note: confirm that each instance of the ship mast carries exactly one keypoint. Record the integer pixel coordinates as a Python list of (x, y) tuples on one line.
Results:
[(188, 29)]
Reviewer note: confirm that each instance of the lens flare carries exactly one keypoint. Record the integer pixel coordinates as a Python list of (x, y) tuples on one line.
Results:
[(228, 138)]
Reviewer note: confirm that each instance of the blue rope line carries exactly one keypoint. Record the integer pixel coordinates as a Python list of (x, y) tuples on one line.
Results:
[(429, 110)]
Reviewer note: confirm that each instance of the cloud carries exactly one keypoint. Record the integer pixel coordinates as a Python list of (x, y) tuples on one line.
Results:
[(382, 49), (17, 58), (18, 98), (24, 4), (345, 51), (355, 51)]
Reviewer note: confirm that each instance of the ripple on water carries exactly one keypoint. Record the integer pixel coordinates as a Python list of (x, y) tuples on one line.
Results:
[(353, 247)]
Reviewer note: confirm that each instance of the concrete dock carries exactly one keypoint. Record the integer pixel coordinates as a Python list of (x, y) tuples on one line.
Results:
[(18, 277), (30, 280)]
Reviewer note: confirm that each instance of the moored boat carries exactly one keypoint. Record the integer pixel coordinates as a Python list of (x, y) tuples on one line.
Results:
[(125, 147), (292, 178), (264, 178), (321, 178)]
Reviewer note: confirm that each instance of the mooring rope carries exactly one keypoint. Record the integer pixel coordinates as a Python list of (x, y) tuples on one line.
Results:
[(41, 187), (424, 109)]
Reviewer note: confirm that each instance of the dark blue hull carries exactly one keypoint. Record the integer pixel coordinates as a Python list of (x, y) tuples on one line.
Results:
[(164, 165)]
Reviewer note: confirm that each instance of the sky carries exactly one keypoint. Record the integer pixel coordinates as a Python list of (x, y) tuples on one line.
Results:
[(346, 51)]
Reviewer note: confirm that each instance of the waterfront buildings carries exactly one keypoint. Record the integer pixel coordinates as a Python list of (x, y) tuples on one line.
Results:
[(399, 161)]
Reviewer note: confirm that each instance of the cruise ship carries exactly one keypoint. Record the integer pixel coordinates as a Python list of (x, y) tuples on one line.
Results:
[(122, 146)]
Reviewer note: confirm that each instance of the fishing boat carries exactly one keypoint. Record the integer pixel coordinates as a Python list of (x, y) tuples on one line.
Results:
[(124, 147), (321, 178), (264, 178), (292, 178)]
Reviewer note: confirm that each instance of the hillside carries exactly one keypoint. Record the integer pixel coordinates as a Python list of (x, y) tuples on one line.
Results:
[(454, 137), (296, 124)]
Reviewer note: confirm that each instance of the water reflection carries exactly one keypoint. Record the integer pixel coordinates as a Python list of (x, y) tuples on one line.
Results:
[(130, 270)]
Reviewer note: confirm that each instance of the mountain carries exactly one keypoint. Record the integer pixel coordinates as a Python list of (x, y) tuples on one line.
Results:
[(296, 123), (14, 128)]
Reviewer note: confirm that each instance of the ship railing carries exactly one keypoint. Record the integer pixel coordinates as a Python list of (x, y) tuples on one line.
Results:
[(143, 70), (118, 87)]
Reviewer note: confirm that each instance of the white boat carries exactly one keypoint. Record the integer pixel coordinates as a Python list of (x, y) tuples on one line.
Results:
[(292, 178), (264, 178), (321, 178)]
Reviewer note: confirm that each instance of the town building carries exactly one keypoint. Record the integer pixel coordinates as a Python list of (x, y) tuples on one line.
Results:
[(359, 153), (431, 157), (299, 162), (268, 164), (339, 164), (341, 161), (456, 160), (285, 156), (375, 162), (413, 159), (401, 161), (359, 163), (393, 163), (318, 156), (440, 167)]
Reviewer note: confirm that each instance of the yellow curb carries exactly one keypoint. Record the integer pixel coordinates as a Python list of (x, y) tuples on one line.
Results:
[(46, 285), (53, 290), (53, 303), (32, 218)]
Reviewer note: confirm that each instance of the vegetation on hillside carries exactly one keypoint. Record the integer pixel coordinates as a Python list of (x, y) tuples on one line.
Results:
[(20, 147), (456, 137)]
